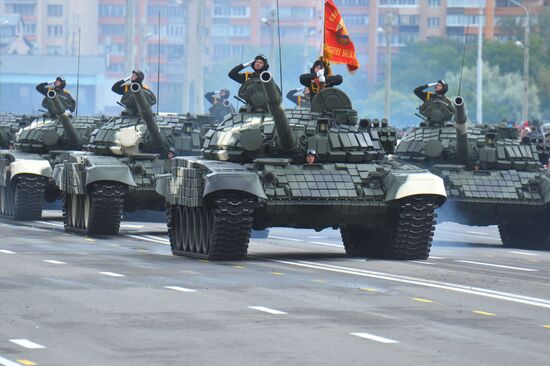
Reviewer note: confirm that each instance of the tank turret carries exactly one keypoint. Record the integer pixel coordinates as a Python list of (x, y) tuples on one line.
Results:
[(146, 114), (287, 141), (58, 108), (462, 149)]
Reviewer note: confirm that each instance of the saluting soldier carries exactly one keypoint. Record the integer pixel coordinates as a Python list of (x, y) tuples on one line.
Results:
[(259, 64), (319, 77), (440, 89), (300, 97), (122, 87), (58, 85), (221, 106)]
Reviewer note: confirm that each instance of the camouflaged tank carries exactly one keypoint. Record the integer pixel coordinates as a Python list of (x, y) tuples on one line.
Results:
[(26, 171), (117, 171), (9, 125), (491, 177), (253, 175)]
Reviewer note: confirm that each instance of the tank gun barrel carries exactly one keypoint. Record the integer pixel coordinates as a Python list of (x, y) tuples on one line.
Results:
[(59, 109), (148, 117), (287, 140), (461, 124)]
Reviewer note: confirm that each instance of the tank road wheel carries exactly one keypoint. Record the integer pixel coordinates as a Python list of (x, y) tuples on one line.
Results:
[(23, 198), (218, 232), (99, 211)]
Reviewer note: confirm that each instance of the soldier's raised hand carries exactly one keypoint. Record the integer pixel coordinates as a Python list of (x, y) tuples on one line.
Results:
[(249, 63), (431, 85)]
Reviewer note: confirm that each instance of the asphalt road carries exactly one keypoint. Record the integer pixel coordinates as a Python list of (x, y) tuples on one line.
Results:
[(298, 300)]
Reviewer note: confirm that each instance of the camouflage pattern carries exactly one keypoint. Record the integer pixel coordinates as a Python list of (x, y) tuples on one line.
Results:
[(9, 125)]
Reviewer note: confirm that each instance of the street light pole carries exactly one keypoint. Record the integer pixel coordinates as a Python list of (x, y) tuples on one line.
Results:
[(388, 31), (525, 105), (479, 82)]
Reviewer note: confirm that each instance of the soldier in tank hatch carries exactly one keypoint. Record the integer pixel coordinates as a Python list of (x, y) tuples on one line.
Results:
[(320, 77), (440, 89), (221, 105), (58, 85), (259, 64), (311, 157), (300, 97), (122, 87)]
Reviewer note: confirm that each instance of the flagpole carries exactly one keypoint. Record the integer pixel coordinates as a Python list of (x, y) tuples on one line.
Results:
[(323, 30)]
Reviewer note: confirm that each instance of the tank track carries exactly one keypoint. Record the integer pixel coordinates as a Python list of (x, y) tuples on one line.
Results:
[(535, 236), (219, 232), (24, 199), (408, 235), (106, 208)]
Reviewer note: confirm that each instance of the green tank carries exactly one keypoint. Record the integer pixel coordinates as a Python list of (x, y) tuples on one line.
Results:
[(491, 177), (252, 175), (9, 125), (121, 161), (26, 171)]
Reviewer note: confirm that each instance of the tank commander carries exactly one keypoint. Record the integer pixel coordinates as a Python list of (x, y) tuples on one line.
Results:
[(300, 97), (122, 87), (440, 89), (58, 85), (220, 104), (320, 77), (259, 64), (311, 157)]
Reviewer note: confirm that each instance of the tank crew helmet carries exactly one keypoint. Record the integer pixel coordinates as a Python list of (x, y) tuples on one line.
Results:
[(315, 64), (264, 60), (140, 76), (62, 81), (445, 87), (225, 93), (311, 152)]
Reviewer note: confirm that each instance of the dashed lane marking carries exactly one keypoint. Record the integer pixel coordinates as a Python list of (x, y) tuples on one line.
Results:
[(159, 238), (27, 344), (319, 281), (128, 226), (423, 262), (522, 253), (419, 299), (325, 244), (6, 362), (112, 274), (368, 289), (52, 261), (180, 289), (238, 267), (51, 223), (483, 313), (90, 240), (499, 266), (375, 338), (317, 237), (433, 257), (478, 233), (277, 274), (26, 362), (477, 291), (267, 310), (285, 238), (6, 251), (546, 326), (157, 241)]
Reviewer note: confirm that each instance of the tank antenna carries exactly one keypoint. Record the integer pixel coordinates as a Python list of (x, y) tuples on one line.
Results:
[(158, 69), (280, 50), (463, 55), (77, 74)]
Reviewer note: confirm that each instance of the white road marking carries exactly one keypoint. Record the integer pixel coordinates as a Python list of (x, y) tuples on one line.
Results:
[(375, 338), (132, 226), (157, 241), (423, 262), (432, 257), (316, 237), (112, 274), (180, 289), (478, 233), (6, 362), (326, 244), (166, 240), (52, 261), (523, 253), (499, 266), (51, 223), (267, 310), (506, 296), (6, 251), (284, 238), (27, 344)]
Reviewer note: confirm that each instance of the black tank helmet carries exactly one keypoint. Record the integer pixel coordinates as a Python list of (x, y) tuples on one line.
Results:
[(226, 93), (324, 66), (140, 75), (63, 82), (266, 64), (445, 87), (315, 64)]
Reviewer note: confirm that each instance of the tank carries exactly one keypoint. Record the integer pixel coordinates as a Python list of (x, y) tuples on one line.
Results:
[(26, 180), (253, 174), (9, 125), (491, 177), (118, 169)]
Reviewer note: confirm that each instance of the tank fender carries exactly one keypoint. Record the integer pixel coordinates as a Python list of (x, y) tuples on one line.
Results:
[(162, 185), (244, 181), (34, 167), (116, 172), (406, 184)]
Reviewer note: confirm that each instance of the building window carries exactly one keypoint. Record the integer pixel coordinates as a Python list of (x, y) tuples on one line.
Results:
[(398, 3), (55, 11), (29, 29), (355, 20), (110, 10), (111, 29), (433, 22), (465, 3), (227, 11), (351, 2), (55, 31), (228, 30), (23, 9), (434, 3)]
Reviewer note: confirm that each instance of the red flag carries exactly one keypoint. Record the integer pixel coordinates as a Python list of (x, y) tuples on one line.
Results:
[(338, 46)]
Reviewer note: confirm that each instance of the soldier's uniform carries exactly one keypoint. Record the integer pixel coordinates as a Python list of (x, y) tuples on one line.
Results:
[(312, 82), (241, 78), (122, 87), (301, 101), (444, 110), (64, 96)]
